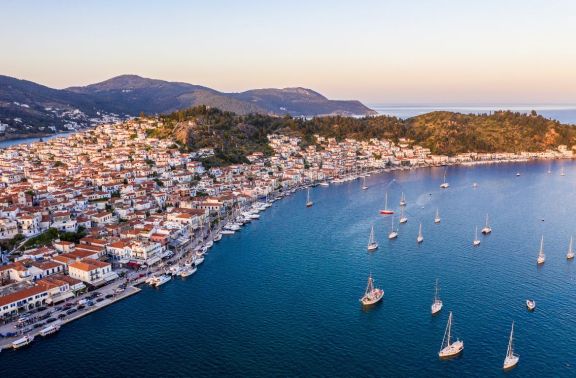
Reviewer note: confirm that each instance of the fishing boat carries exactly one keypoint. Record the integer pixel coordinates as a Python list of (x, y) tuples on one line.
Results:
[(364, 187), (50, 330), (511, 359), (309, 202), (386, 210), (420, 237), (437, 217), (530, 304), (437, 304), (444, 184), (402, 200), (476, 241), (450, 349), (403, 218), (372, 295), (372, 244), (570, 253), (487, 229), (22, 342), (541, 255), (393, 232)]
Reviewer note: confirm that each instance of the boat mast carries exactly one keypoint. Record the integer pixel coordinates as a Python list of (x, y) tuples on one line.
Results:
[(541, 246), (510, 351), (446, 339), (436, 292)]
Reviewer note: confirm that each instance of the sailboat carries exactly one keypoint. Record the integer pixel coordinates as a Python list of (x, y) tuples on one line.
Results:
[(309, 202), (444, 184), (562, 172), (541, 255), (511, 359), (402, 200), (449, 349), (437, 304), (437, 217), (393, 233), (364, 187), (403, 218), (487, 229), (372, 295), (420, 237), (570, 253), (372, 245), (386, 210), (476, 241)]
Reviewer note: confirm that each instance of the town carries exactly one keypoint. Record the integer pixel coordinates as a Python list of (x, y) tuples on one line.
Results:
[(87, 217)]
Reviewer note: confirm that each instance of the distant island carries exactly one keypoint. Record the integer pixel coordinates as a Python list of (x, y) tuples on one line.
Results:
[(233, 137), (27, 108)]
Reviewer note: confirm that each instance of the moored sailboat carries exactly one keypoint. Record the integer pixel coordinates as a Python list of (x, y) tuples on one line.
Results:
[(570, 253), (437, 304), (372, 244), (393, 232), (403, 217), (402, 200), (511, 359), (450, 349), (309, 202), (437, 218), (420, 237), (364, 186), (541, 255), (487, 229), (444, 184), (386, 210), (476, 241), (372, 295)]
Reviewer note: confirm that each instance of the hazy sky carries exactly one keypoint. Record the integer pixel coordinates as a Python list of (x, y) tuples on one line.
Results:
[(387, 51)]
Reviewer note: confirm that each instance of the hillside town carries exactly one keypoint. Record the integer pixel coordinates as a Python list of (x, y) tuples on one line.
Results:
[(109, 208)]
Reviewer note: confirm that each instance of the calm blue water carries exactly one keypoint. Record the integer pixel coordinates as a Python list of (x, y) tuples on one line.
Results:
[(280, 298), (12, 142), (562, 113)]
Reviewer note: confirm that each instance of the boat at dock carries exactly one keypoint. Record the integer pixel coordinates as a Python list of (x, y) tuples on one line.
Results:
[(511, 359), (450, 349), (50, 330), (158, 281), (186, 272), (372, 295), (22, 342)]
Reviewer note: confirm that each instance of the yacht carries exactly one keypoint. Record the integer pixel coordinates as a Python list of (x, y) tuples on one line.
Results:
[(487, 229), (364, 187), (437, 217), (531, 304), (403, 218), (324, 183), (517, 174), (386, 210), (188, 271), (22, 342), (562, 172), (309, 202), (420, 237), (541, 254), (437, 304), (372, 295), (570, 253), (51, 329), (476, 241), (450, 349), (227, 232), (209, 244), (160, 280), (372, 244), (511, 359), (402, 200), (199, 259), (444, 184), (393, 232)]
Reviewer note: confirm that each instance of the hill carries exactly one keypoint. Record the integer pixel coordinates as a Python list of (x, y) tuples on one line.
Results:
[(234, 136)]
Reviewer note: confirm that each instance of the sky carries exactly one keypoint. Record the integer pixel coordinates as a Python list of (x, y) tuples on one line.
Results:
[(387, 51)]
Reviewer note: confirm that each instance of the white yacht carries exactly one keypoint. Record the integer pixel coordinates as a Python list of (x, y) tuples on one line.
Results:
[(324, 183), (450, 349), (444, 184), (487, 229), (437, 218), (541, 255), (476, 241), (218, 237), (562, 172), (570, 253), (372, 244), (437, 304), (188, 271), (511, 359), (402, 200), (372, 295), (530, 304), (22, 342), (227, 232), (309, 202), (199, 259), (393, 232), (364, 186), (51, 329), (403, 217), (420, 237), (160, 280)]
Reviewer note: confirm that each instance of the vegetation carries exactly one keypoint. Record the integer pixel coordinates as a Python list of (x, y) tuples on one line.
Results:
[(52, 234), (233, 137)]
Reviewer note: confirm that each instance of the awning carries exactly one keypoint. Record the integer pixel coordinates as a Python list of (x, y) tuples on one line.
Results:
[(111, 277)]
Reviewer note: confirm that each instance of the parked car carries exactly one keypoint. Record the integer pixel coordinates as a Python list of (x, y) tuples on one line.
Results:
[(50, 320), (99, 299), (71, 311), (108, 296), (61, 316)]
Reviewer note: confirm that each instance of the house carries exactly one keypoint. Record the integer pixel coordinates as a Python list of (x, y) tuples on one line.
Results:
[(93, 272), (23, 300)]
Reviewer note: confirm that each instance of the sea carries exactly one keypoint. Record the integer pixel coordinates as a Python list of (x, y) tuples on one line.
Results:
[(281, 297)]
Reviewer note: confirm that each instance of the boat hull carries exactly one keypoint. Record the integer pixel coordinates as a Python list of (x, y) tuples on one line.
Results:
[(511, 362), (372, 247), (369, 301), (386, 212), (451, 351)]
